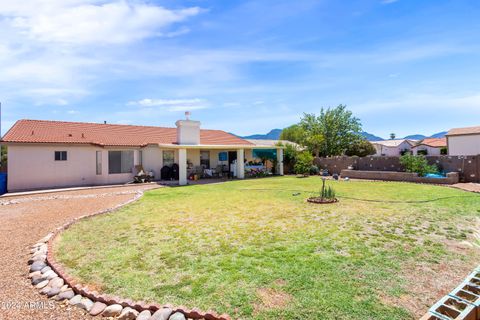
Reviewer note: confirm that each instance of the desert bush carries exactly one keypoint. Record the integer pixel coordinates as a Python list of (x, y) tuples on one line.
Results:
[(417, 164), (303, 163)]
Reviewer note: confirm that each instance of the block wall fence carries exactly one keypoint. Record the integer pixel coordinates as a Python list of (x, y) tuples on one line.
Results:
[(468, 167)]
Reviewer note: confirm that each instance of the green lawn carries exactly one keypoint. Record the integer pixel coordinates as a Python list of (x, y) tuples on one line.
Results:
[(255, 250)]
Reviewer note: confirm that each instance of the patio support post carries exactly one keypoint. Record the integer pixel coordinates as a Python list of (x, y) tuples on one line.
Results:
[(280, 161), (240, 163), (182, 167)]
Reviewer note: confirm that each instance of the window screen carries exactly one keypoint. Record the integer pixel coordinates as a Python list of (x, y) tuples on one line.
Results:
[(120, 161)]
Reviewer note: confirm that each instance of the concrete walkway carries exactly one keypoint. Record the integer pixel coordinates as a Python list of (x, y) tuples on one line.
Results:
[(29, 217), (472, 187)]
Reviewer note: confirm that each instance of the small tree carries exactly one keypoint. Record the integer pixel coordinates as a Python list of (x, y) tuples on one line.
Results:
[(290, 154), (417, 164), (304, 163), (392, 136), (361, 148)]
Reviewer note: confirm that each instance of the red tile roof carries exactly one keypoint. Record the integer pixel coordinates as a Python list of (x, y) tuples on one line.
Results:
[(41, 131), (434, 142), (464, 131)]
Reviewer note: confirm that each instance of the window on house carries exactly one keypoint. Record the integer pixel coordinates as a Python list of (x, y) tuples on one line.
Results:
[(140, 157), (60, 155), (168, 158), (99, 162), (422, 152), (205, 159), (120, 161)]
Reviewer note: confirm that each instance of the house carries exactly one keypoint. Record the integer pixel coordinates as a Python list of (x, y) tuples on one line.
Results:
[(274, 143), (392, 148), (464, 141), (430, 146), (51, 154)]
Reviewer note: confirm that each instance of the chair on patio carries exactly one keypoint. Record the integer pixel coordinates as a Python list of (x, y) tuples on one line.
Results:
[(218, 171)]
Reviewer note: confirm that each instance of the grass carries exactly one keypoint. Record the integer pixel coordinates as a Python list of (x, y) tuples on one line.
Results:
[(256, 250)]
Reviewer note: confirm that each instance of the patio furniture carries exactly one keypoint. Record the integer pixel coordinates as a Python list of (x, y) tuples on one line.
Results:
[(175, 171), (141, 176), (166, 173), (208, 173), (218, 171)]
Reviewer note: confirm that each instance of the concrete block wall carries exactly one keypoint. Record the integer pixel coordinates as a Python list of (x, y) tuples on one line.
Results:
[(467, 167)]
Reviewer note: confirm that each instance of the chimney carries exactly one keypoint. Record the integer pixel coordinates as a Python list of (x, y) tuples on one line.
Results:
[(188, 131)]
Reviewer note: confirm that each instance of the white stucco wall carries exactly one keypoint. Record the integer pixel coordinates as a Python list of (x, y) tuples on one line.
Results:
[(34, 167), (431, 151), (467, 145), (382, 150)]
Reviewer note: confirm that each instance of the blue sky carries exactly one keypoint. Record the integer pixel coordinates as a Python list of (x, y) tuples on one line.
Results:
[(401, 66)]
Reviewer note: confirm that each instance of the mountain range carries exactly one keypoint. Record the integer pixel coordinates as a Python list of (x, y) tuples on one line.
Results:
[(274, 134)]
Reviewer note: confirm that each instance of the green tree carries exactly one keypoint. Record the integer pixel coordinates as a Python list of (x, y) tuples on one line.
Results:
[(290, 154), (304, 163), (330, 133), (361, 148), (417, 164), (312, 136), (293, 133), (392, 136)]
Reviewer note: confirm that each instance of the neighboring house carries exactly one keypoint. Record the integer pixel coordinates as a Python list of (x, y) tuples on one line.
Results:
[(430, 146), (392, 148), (50, 154), (273, 143), (464, 141)]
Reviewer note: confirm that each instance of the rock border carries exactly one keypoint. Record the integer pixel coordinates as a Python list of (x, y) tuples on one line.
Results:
[(318, 200), (51, 279)]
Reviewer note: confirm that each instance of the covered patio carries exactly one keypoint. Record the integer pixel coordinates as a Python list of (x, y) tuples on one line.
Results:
[(195, 162)]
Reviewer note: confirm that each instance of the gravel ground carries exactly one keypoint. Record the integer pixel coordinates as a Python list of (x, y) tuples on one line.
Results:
[(25, 220)]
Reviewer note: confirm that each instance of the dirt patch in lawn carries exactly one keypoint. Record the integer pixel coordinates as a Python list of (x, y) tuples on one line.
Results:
[(427, 283), (272, 299)]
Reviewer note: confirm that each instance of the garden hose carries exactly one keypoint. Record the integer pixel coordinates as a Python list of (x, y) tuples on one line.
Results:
[(296, 193)]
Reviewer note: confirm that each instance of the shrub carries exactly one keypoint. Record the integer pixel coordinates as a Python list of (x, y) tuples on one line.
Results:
[(361, 148), (290, 155), (444, 151), (417, 164), (303, 163), (314, 170)]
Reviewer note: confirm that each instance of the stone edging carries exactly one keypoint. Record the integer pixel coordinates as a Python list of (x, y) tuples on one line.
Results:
[(51, 279)]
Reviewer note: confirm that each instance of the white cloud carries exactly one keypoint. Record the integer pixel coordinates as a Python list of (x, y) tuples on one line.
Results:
[(91, 22), (59, 50), (435, 103), (172, 105)]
